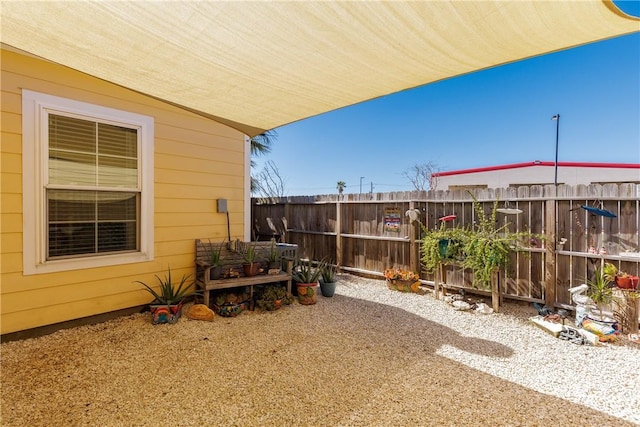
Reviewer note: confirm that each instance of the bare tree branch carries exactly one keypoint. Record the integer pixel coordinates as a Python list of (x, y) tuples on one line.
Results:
[(269, 182), (420, 175)]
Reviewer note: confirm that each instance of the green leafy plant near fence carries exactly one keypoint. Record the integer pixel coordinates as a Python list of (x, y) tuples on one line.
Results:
[(483, 249), (441, 245), (487, 248)]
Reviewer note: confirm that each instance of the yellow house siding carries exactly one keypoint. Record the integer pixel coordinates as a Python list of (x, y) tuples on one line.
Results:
[(50, 314), (196, 162)]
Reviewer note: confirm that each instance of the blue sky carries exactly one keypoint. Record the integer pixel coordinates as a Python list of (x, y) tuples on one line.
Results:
[(492, 117)]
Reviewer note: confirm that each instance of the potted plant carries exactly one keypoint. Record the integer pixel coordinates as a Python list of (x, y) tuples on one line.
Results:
[(251, 266), (600, 291), (609, 271), (402, 280), (626, 281), (273, 257), (271, 297), (620, 278), (442, 245), (306, 277), (230, 304), (215, 259), (328, 279), (167, 306), (483, 249)]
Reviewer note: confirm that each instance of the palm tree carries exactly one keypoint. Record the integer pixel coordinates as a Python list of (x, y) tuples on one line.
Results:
[(261, 144), (341, 186)]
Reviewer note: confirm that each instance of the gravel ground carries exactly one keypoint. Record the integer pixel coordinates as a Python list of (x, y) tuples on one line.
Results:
[(366, 357)]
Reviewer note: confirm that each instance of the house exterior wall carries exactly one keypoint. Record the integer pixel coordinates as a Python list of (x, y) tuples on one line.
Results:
[(196, 160), (541, 173)]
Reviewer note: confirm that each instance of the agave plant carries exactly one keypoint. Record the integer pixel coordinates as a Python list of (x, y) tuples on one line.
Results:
[(273, 254), (250, 254), (215, 254), (329, 272), (600, 290), (304, 272), (169, 293)]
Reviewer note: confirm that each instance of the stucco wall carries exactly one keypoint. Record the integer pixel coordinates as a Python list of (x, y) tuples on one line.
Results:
[(196, 162)]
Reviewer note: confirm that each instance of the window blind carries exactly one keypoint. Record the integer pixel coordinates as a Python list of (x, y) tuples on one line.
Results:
[(87, 161)]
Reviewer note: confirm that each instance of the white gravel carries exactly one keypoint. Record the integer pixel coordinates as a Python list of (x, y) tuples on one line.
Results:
[(604, 377), (366, 357)]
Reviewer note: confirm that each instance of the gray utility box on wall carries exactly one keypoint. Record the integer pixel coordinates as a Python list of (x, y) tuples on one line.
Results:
[(222, 205)]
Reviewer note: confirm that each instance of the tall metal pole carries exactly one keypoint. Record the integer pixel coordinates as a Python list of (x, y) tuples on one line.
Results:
[(557, 119), (361, 178), (551, 215)]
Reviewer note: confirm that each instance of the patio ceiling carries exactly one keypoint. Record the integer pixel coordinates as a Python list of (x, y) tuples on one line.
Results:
[(262, 64)]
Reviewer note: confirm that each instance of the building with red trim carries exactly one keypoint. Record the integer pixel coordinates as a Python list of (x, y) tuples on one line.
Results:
[(536, 173)]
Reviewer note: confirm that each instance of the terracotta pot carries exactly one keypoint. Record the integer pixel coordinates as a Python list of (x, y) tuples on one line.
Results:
[(403, 285), (627, 282), (251, 269), (307, 293)]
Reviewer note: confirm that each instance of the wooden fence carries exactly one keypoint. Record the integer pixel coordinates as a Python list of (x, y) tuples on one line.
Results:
[(368, 236)]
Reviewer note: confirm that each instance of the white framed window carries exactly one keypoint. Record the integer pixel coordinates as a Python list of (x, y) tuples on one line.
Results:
[(87, 185)]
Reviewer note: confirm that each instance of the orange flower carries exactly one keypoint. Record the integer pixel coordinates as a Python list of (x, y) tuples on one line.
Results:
[(400, 274)]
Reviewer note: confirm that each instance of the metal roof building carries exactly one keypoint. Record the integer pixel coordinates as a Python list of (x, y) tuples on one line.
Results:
[(536, 172)]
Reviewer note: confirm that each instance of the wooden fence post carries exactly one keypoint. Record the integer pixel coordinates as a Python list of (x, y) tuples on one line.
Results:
[(285, 223), (496, 293), (338, 233), (550, 252), (413, 255), (443, 276), (437, 278)]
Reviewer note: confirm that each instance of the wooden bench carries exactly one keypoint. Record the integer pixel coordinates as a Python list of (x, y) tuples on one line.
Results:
[(232, 261)]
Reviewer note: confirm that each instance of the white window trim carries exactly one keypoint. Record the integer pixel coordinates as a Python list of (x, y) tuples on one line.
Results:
[(34, 172)]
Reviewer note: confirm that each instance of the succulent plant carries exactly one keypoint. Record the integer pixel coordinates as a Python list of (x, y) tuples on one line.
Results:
[(329, 272), (170, 294), (305, 272)]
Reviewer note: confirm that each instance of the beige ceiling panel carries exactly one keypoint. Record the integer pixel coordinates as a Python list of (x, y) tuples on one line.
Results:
[(259, 65)]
